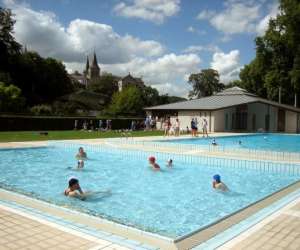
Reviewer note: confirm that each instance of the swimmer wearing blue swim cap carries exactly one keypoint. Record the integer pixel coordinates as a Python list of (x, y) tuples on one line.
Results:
[(218, 184)]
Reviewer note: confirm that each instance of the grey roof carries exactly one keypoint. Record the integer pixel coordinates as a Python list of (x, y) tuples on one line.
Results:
[(227, 98)]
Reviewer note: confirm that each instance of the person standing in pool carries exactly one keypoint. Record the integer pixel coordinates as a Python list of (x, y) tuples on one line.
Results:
[(204, 127), (74, 190), (153, 164), (81, 156), (218, 184)]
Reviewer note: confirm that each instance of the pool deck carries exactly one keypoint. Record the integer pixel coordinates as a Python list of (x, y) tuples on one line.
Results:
[(22, 230)]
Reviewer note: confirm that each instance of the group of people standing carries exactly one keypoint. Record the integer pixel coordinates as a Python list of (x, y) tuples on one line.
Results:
[(175, 128)]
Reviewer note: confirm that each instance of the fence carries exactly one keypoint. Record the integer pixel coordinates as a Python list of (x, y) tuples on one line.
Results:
[(217, 162), (214, 150), (31, 123)]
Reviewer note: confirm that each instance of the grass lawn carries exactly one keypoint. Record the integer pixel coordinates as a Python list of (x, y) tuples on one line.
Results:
[(64, 135)]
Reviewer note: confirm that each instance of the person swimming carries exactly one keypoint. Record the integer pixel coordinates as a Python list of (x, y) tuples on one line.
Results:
[(218, 184), (170, 163), (74, 189), (214, 143), (240, 142), (153, 164), (81, 156)]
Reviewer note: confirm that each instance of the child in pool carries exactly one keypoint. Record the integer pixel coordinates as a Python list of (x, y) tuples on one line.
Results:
[(74, 189), (218, 184), (170, 163), (81, 156), (153, 164)]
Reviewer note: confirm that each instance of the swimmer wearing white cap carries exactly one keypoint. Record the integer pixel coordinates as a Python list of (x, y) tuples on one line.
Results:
[(170, 163)]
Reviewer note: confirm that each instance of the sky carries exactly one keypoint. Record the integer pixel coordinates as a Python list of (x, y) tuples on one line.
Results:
[(162, 41)]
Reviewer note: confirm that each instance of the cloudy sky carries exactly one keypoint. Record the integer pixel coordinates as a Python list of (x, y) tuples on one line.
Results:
[(162, 41)]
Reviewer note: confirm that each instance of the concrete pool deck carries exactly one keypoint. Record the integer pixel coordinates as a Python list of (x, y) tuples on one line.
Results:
[(268, 229)]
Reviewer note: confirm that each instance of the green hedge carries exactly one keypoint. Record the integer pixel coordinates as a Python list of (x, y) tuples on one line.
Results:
[(33, 123)]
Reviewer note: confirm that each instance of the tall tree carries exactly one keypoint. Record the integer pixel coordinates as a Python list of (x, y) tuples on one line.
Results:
[(8, 46), (106, 85), (10, 98), (205, 83), (276, 64), (127, 102)]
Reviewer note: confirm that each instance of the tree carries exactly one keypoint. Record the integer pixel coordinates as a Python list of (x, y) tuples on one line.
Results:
[(205, 83), (106, 85), (8, 46), (10, 98), (127, 102), (276, 64), (41, 80)]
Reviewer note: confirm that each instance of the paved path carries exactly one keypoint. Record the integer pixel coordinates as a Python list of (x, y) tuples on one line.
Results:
[(280, 231), (19, 231)]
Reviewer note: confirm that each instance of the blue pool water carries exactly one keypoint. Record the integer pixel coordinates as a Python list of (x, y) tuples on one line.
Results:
[(274, 142), (173, 202)]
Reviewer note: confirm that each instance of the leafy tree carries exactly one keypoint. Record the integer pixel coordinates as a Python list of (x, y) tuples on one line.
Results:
[(127, 102), (10, 98), (277, 56), (41, 80), (41, 110), (205, 83), (106, 85), (8, 46)]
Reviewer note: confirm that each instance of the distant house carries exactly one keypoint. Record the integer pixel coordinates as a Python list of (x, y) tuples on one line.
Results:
[(129, 80), (233, 109)]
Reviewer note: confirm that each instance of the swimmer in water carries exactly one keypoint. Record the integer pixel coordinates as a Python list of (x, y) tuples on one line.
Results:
[(218, 184), (81, 156), (74, 189), (170, 163), (240, 142), (153, 164), (214, 143)]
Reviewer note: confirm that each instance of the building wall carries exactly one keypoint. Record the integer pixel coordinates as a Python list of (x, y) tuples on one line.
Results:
[(261, 110), (290, 122), (185, 118)]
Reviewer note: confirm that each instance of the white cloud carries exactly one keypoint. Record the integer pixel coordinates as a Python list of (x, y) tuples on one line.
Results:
[(239, 16), (227, 65), (200, 48), (205, 14), (191, 29), (263, 24), (151, 10), (42, 32)]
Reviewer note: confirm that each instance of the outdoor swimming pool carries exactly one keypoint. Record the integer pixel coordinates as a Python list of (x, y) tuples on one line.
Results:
[(172, 203), (274, 142)]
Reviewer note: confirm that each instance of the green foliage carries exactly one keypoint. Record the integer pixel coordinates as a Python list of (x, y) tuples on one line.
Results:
[(65, 108), (277, 62), (41, 80), (129, 101), (205, 83), (106, 85), (8, 46), (10, 98), (41, 110)]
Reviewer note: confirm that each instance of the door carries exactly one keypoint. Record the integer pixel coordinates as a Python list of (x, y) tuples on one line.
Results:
[(281, 120), (254, 122)]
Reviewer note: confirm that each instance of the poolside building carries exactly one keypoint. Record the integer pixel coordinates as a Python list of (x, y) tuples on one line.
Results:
[(233, 109)]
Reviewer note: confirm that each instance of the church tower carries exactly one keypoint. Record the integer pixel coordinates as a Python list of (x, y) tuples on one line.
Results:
[(87, 66), (94, 70)]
